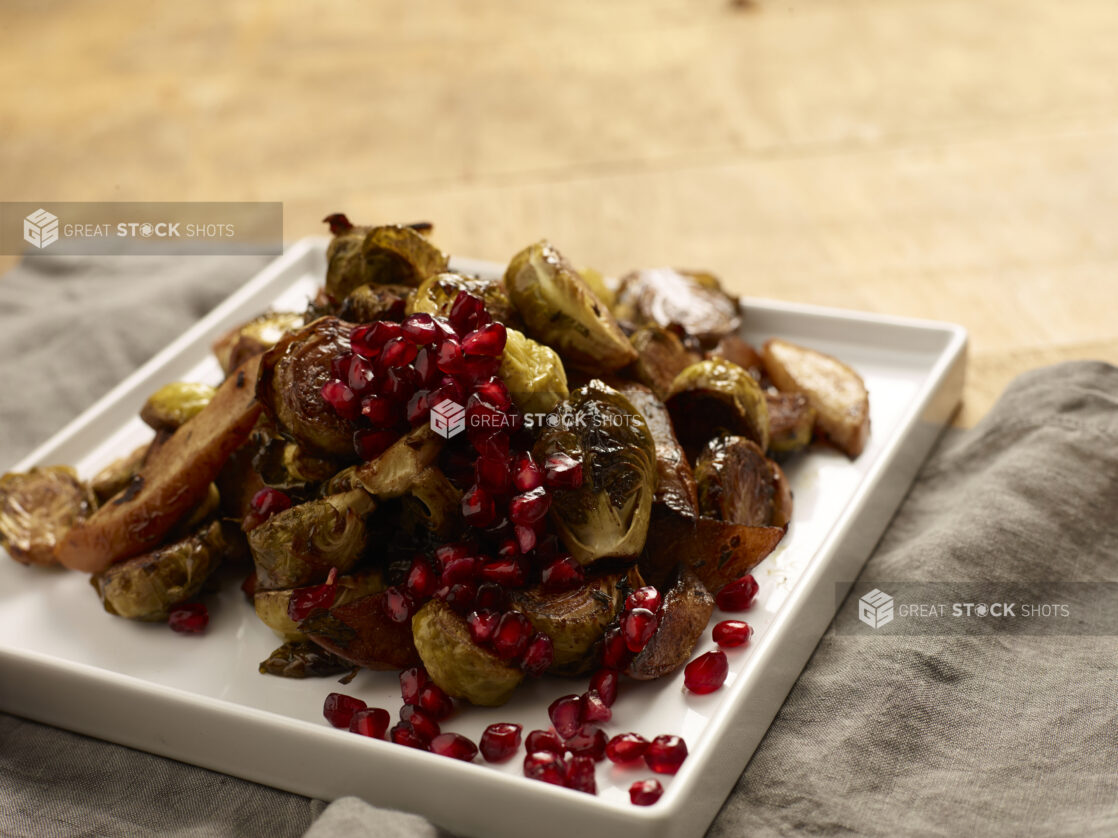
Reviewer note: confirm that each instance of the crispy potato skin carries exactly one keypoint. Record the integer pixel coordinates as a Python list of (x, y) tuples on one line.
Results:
[(174, 480)]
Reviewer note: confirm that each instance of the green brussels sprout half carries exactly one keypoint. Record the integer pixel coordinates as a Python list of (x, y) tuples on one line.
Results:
[(436, 294), (169, 407), (736, 482), (272, 606), (533, 373), (257, 335), (714, 397), (609, 514)]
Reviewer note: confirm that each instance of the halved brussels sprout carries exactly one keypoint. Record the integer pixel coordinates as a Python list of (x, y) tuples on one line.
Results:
[(147, 587), (458, 665), (712, 397), (533, 374), (436, 294), (375, 302), (392, 474), (303, 660), (38, 508), (735, 482), (387, 255), (432, 506), (169, 407), (254, 337), (560, 309), (574, 620), (292, 374), (299, 545), (272, 606), (683, 619), (661, 357), (361, 633), (608, 515), (597, 283), (791, 420), (688, 301)]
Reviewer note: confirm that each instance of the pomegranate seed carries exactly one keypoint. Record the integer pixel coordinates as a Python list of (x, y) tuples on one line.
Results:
[(434, 702), (381, 411), (580, 774), (338, 222), (418, 407), (730, 633), (189, 618), (562, 471), (626, 747), (738, 595), (398, 605), (402, 734), (454, 550), (646, 597), (566, 714), (482, 624), (459, 569), (513, 633), (604, 682), (665, 754), (489, 340), (424, 726), (492, 597), (529, 508), (594, 708), (411, 682), (368, 340), (562, 574), (359, 376), (305, 600), (478, 508), (539, 655), (267, 502), (421, 581), (525, 538), (341, 398), (638, 627), (526, 474), (544, 740), (372, 722), (589, 743), (615, 654), (449, 387), (448, 357), (425, 366), (645, 792), (706, 673), (339, 367), (453, 745), (461, 597), (420, 328), (507, 572), (484, 419), (492, 474), (508, 549), (500, 741), (338, 708), (370, 444), (396, 353), (399, 384), (466, 313), (494, 391), (479, 368), (546, 766), (492, 444)]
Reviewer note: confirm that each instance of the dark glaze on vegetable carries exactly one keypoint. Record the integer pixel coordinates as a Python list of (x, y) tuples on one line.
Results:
[(713, 397), (683, 619), (690, 303), (735, 482)]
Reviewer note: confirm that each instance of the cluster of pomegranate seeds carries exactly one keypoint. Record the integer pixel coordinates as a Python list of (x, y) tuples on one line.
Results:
[(305, 600), (706, 673), (339, 709), (732, 633), (645, 792), (189, 618), (738, 595), (264, 504)]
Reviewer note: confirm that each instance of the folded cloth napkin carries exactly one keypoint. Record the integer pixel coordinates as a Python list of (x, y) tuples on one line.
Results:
[(883, 734)]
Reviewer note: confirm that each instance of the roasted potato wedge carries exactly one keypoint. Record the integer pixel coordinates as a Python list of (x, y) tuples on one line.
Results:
[(837, 393), (735, 482), (683, 619), (791, 420), (38, 508), (661, 356), (361, 633)]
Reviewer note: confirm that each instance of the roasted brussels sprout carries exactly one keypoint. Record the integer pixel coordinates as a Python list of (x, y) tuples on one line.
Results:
[(782, 497), (711, 397), (38, 508), (791, 420), (661, 357), (147, 587), (574, 619), (361, 633), (375, 302), (436, 294), (299, 545), (292, 374), (597, 283), (559, 309), (457, 664), (608, 515), (432, 506), (837, 393), (253, 338), (287, 465), (271, 606), (533, 374), (393, 473), (303, 660), (689, 302), (387, 255), (735, 482), (116, 476), (683, 619)]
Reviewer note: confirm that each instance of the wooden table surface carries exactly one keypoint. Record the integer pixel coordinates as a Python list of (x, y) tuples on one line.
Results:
[(950, 159)]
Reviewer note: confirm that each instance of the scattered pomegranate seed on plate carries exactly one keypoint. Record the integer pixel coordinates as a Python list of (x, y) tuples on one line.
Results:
[(706, 673), (189, 618), (738, 595), (645, 792), (732, 633)]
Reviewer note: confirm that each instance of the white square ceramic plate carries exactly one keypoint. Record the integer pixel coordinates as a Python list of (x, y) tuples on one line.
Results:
[(66, 662)]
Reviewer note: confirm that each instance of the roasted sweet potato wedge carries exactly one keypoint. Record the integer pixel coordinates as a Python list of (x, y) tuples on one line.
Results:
[(683, 619)]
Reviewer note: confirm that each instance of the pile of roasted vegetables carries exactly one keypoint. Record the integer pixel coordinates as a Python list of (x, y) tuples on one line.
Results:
[(490, 478)]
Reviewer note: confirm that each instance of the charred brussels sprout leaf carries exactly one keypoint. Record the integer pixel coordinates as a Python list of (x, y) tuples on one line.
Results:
[(38, 508), (735, 482), (254, 337), (689, 302), (147, 587), (533, 374), (608, 515), (169, 407), (712, 397), (457, 664), (303, 660), (299, 545), (436, 294), (560, 309)]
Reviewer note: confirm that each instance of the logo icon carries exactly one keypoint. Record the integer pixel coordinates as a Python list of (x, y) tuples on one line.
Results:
[(448, 418), (40, 228), (875, 609)]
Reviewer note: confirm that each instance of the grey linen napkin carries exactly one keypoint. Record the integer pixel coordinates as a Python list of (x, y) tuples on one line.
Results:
[(882, 735)]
